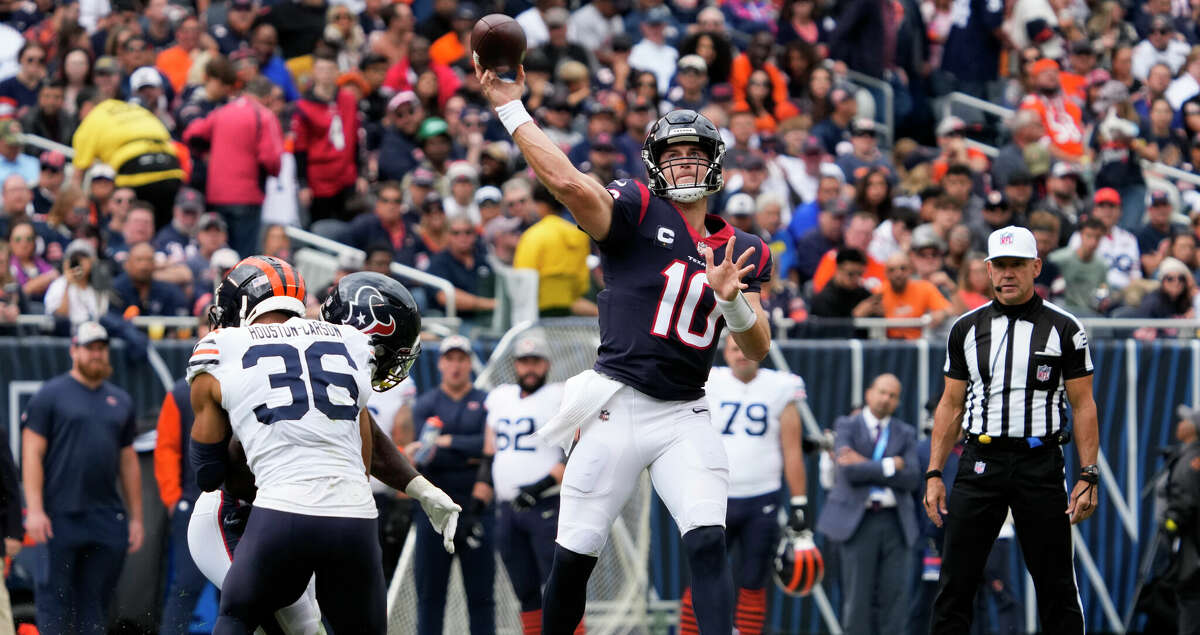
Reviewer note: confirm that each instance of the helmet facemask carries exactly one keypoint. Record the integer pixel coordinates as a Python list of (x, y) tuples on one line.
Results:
[(392, 366), (709, 177)]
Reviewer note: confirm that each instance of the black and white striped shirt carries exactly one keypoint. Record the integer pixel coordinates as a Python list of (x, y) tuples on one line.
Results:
[(1017, 360)]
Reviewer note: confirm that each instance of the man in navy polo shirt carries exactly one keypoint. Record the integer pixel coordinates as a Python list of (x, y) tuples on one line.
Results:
[(76, 442), (453, 467), (137, 286), (464, 264), (177, 241)]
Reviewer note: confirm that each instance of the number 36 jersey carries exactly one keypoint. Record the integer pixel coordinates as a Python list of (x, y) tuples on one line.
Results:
[(521, 458), (293, 392), (747, 416), (659, 323)]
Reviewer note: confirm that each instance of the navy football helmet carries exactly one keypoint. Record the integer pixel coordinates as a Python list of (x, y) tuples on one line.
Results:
[(384, 310), (256, 285), (684, 126)]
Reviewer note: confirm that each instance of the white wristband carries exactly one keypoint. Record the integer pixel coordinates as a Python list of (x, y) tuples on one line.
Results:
[(798, 501), (739, 316), (512, 115)]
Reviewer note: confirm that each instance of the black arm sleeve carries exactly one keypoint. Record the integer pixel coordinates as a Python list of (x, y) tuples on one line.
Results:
[(484, 475), (301, 157), (210, 461), (956, 358)]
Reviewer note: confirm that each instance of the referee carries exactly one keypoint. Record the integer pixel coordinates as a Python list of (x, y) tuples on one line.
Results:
[(1008, 365)]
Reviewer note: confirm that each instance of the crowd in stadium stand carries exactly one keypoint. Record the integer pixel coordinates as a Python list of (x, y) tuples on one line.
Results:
[(368, 127)]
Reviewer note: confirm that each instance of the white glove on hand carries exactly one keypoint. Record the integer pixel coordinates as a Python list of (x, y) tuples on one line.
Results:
[(442, 512)]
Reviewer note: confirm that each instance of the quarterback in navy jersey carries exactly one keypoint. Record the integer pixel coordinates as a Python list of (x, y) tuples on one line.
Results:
[(675, 277)]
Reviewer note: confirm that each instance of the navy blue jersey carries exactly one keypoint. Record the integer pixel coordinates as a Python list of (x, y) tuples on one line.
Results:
[(659, 323), (972, 50), (85, 431)]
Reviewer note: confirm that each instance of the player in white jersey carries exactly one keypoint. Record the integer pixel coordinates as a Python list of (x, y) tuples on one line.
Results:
[(293, 391), (526, 473), (755, 411)]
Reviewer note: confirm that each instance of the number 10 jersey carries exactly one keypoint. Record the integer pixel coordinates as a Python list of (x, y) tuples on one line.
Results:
[(659, 323), (293, 392)]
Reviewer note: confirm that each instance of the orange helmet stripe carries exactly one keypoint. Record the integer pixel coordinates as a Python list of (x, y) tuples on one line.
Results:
[(277, 287)]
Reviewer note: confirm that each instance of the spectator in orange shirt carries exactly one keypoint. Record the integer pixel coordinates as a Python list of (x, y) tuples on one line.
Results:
[(904, 297), (452, 46), (1060, 115), (756, 57), (176, 61), (858, 234), (762, 104)]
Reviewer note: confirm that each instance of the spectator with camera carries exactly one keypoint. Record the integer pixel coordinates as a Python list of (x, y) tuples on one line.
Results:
[(73, 296)]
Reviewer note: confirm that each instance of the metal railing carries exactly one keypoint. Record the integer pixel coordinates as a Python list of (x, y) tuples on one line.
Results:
[(967, 101), (889, 100), (404, 271), (877, 327)]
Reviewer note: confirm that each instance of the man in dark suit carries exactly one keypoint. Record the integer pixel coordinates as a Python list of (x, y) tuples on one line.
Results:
[(871, 511)]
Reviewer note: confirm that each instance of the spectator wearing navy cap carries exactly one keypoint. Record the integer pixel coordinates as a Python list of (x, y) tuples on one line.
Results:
[(464, 264), (50, 181), (212, 234), (235, 32), (835, 128), (605, 161), (176, 240), (77, 445), (864, 138), (1153, 238)]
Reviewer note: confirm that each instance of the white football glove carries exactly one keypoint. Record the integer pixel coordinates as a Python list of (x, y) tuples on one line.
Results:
[(442, 512)]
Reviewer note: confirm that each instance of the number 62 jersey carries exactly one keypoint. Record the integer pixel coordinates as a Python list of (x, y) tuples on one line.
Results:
[(659, 323), (293, 392)]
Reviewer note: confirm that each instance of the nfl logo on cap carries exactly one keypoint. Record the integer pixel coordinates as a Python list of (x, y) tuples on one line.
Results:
[(1012, 242)]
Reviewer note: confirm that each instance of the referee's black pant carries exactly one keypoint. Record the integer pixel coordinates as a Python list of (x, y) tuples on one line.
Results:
[(988, 483)]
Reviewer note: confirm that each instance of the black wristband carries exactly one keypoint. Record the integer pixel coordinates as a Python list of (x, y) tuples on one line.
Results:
[(933, 474), (1090, 474)]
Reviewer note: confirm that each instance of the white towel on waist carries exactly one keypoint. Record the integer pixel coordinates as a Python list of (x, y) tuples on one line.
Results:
[(583, 397)]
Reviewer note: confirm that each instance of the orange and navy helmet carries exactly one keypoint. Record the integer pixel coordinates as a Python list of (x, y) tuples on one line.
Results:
[(257, 285), (798, 563)]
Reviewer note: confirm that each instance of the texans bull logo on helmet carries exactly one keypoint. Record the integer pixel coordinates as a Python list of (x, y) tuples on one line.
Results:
[(362, 313)]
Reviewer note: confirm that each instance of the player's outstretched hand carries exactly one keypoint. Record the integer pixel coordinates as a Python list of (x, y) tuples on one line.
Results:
[(1082, 503), (935, 500), (442, 512), (726, 278), (498, 91)]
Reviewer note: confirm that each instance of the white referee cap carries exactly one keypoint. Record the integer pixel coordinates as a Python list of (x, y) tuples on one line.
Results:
[(1012, 242)]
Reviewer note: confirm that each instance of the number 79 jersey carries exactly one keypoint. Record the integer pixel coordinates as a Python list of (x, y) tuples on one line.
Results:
[(659, 323), (747, 416), (293, 392)]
